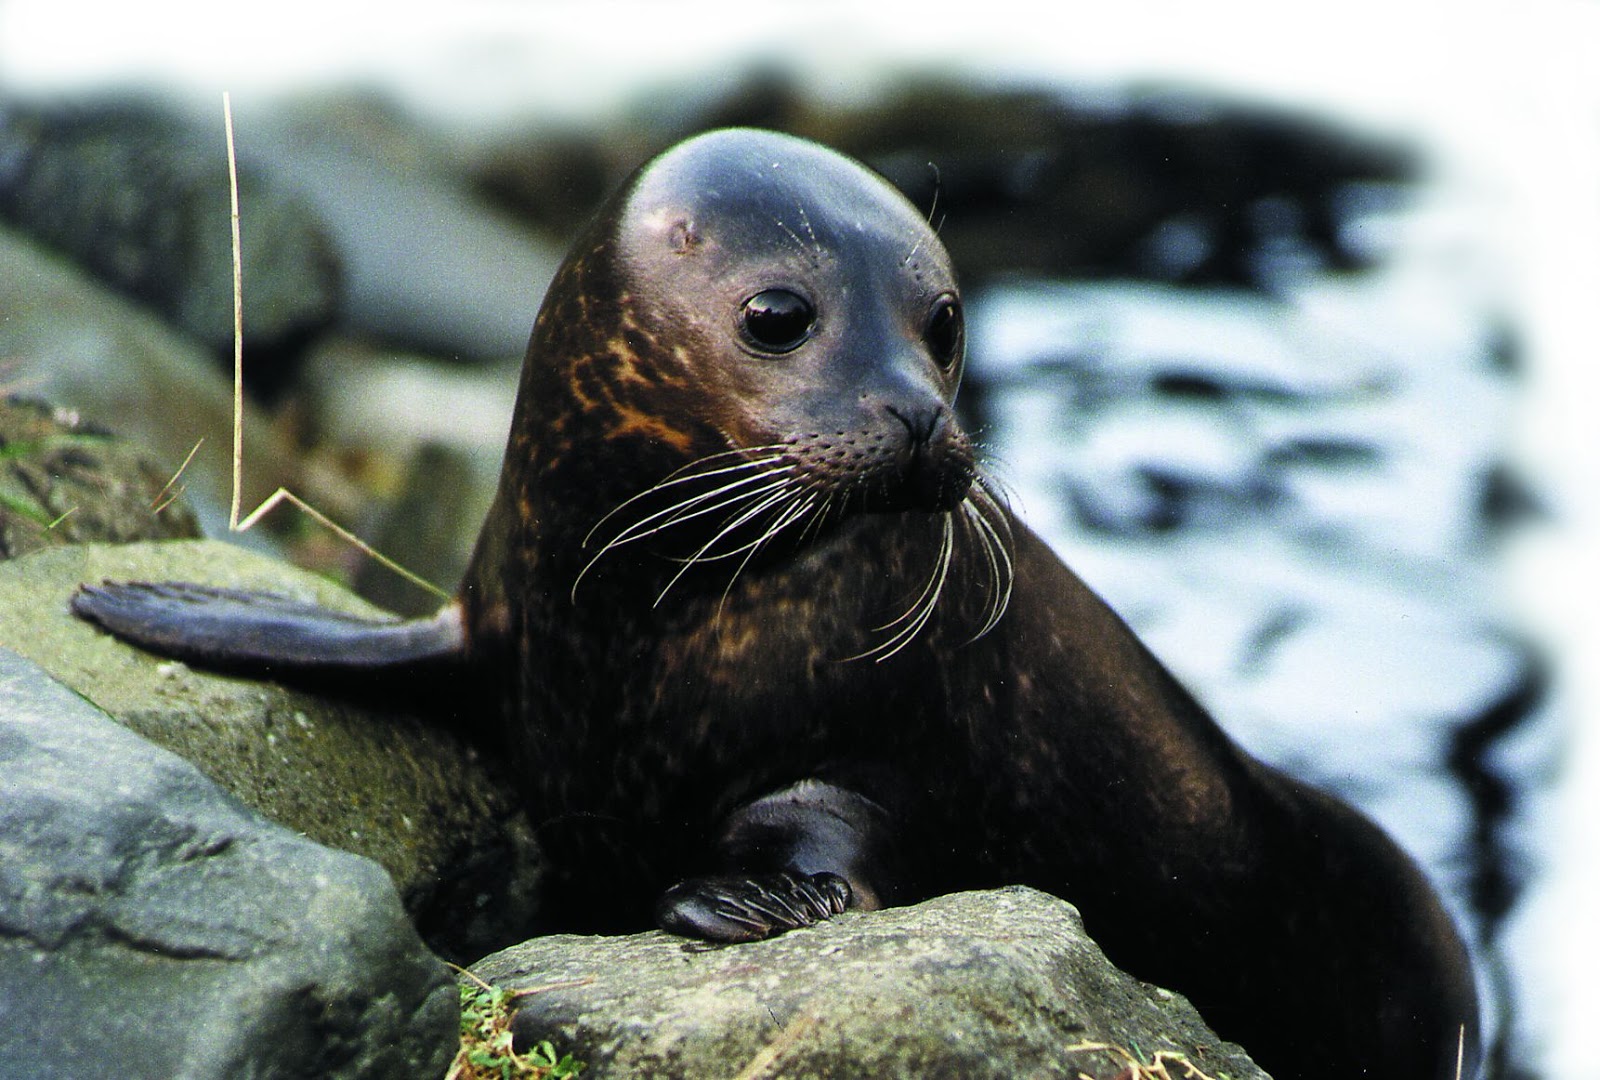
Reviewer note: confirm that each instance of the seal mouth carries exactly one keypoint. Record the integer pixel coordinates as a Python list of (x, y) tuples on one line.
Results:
[(768, 502), (921, 462), (933, 485), (935, 462)]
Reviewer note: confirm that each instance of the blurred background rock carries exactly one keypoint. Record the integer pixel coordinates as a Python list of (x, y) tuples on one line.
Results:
[(1256, 304)]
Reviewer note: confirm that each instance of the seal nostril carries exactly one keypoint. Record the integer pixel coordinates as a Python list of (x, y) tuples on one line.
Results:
[(921, 426)]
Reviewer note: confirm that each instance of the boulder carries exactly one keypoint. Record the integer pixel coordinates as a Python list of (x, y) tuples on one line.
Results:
[(75, 342), (139, 196), (987, 984), (351, 772), (153, 926)]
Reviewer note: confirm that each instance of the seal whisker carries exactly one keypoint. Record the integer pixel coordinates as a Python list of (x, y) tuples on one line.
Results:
[(929, 587), (916, 616), (814, 527), (708, 502), (758, 471), (773, 503), (999, 561), (697, 468), (993, 509), (700, 555), (937, 180), (980, 535), (806, 221), (684, 476), (686, 510), (994, 530), (799, 243), (930, 596), (802, 505)]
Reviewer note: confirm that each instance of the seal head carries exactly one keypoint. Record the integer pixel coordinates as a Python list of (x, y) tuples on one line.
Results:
[(767, 332), (837, 336)]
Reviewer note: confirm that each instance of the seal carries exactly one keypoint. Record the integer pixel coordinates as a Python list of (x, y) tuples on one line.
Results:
[(765, 645)]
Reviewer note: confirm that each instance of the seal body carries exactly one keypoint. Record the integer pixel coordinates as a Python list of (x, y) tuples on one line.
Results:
[(763, 645)]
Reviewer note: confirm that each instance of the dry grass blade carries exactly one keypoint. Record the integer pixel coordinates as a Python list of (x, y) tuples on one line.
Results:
[(238, 315), (282, 494), (1156, 1069), (163, 499)]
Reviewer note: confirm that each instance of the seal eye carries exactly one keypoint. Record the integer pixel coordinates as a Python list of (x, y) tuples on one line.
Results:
[(777, 320), (945, 333)]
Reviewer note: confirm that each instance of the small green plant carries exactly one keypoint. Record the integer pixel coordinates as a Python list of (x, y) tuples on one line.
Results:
[(486, 1051)]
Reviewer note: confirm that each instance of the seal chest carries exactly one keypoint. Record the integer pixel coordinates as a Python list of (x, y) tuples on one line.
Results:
[(764, 644)]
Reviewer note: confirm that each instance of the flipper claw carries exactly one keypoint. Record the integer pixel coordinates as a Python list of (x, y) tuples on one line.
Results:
[(733, 908)]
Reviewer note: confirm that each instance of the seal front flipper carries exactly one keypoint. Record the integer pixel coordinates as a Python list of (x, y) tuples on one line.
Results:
[(258, 632), (795, 857), (733, 908)]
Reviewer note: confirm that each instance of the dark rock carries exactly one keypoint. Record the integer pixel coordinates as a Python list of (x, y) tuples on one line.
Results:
[(991, 984), (65, 482), (1160, 183), (152, 926), (141, 198), (68, 339), (1165, 184), (431, 529), (1328, 451), (435, 432), (362, 775), (1507, 499), (552, 179)]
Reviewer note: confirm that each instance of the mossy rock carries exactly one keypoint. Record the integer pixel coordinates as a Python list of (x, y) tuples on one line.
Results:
[(405, 790)]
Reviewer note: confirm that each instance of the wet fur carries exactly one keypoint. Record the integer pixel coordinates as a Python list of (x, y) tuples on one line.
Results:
[(687, 705)]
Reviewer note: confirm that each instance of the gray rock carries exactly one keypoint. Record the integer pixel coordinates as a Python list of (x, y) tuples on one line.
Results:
[(442, 487), (438, 428), (140, 196), (404, 792), (991, 984), (79, 345), (478, 274), (152, 926)]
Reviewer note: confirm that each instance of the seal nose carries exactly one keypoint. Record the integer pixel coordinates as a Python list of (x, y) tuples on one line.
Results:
[(922, 425), (936, 463)]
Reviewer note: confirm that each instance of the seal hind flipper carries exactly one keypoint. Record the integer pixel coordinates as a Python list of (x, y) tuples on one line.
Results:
[(733, 908), (240, 630)]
